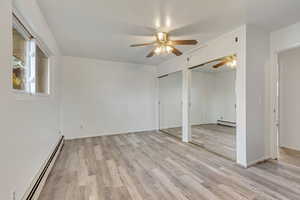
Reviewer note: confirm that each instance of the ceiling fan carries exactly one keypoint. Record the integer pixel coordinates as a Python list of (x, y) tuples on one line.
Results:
[(228, 60), (164, 45)]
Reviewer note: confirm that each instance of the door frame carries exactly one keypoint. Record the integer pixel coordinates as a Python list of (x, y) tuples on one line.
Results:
[(275, 98)]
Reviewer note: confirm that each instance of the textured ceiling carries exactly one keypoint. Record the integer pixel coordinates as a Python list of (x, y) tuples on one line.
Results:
[(103, 29)]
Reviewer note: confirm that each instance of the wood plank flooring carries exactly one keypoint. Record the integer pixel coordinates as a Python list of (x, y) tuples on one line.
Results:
[(289, 156), (216, 138), (156, 166)]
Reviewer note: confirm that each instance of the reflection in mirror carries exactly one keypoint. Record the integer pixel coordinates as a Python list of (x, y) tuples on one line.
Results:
[(170, 108), (213, 106)]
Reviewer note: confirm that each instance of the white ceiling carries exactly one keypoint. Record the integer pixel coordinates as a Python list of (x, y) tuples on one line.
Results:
[(104, 29)]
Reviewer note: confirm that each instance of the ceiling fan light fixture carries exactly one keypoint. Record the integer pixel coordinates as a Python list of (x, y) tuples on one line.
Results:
[(169, 49), (163, 49), (163, 45), (161, 36), (158, 50), (232, 64)]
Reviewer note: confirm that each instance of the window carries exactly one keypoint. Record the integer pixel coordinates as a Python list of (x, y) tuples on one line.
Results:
[(41, 72), (30, 73)]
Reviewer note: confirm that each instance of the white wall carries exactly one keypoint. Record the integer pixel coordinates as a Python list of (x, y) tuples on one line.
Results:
[(170, 98), (213, 97), (257, 63), (103, 97), (289, 99), (29, 127)]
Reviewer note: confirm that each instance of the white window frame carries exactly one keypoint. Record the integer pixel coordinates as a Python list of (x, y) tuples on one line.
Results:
[(27, 37), (32, 43)]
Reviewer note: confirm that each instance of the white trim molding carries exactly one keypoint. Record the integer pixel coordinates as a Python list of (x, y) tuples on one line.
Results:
[(36, 186)]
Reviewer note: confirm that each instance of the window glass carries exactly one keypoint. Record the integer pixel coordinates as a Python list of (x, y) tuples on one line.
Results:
[(19, 61), (41, 71)]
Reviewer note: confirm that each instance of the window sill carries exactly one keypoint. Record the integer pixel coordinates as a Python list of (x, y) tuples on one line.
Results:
[(41, 94), (24, 95), (20, 92)]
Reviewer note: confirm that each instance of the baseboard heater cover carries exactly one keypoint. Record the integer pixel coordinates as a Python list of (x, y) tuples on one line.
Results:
[(32, 194), (226, 123)]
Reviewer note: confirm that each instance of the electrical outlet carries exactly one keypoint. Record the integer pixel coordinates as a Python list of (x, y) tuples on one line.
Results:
[(81, 126)]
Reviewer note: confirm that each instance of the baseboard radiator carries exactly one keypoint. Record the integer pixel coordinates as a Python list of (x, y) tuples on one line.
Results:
[(226, 123), (37, 186)]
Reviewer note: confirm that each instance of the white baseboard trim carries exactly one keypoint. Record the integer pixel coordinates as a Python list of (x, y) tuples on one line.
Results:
[(226, 123), (39, 180), (108, 134), (162, 128), (293, 148), (255, 162)]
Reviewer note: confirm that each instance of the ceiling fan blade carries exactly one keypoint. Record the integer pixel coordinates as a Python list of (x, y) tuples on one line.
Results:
[(150, 54), (143, 44), (183, 42), (220, 64), (176, 51)]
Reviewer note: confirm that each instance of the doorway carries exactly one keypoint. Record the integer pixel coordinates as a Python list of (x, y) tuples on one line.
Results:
[(288, 96)]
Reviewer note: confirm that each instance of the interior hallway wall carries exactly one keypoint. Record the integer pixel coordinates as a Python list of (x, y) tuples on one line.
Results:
[(103, 97), (289, 65), (282, 39), (29, 124)]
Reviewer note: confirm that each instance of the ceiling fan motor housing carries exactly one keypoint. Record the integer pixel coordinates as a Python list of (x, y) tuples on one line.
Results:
[(162, 37)]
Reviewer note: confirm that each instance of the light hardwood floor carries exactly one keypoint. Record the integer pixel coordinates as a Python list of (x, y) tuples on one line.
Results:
[(216, 138), (289, 156), (157, 166)]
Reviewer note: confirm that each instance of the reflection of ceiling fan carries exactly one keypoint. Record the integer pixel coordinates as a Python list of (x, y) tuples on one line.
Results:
[(164, 45), (228, 60)]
